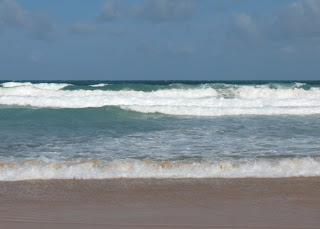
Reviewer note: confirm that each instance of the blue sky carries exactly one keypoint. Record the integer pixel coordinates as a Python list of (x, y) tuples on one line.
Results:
[(160, 39)]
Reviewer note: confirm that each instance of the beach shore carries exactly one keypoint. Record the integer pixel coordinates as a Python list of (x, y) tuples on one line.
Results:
[(161, 203)]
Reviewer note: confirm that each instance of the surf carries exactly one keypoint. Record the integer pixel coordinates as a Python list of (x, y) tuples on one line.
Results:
[(99, 169), (188, 100)]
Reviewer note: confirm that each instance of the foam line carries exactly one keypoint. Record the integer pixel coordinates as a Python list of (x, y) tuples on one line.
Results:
[(94, 169)]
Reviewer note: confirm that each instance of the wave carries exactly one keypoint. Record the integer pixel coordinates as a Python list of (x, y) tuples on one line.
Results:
[(45, 86), (95, 169), (99, 85), (199, 101)]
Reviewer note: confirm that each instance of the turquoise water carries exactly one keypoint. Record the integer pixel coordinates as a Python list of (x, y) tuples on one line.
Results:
[(90, 129)]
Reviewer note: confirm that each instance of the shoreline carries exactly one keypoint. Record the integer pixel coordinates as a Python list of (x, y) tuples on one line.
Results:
[(161, 203)]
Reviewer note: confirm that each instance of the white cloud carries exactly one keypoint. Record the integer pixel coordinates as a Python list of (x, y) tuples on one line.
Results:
[(165, 10), (39, 26), (111, 10), (300, 19), (245, 23), (11, 14)]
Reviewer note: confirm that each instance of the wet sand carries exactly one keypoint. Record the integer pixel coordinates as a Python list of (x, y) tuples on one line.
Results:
[(161, 203)]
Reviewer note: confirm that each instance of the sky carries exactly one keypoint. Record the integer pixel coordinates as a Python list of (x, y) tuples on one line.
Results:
[(160, 40)]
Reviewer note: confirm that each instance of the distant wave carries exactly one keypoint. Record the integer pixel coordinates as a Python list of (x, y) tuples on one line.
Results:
[(94, 169), (213, 100), (46, 86), (99, 85)]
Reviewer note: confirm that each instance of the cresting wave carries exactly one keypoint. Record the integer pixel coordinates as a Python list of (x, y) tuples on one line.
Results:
[(94, 169), (99, 85), (46, 86), (201, 101)]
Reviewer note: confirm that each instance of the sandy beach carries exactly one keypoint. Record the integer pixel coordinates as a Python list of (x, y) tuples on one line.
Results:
[(161, 203)]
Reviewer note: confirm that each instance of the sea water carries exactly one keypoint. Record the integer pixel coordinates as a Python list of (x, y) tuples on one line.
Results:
[(159, 129)]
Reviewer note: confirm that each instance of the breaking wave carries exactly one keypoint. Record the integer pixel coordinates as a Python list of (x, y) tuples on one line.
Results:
[(45, 86), (99, 85), (206, 100), (95, 169)]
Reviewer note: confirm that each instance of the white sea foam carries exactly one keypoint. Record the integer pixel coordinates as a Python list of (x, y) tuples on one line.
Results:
[(207, 101), (46, 86), (93, 169), (299, 84), (99, 85)]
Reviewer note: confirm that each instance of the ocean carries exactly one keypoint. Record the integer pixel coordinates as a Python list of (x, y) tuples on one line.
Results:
[(159, 129)]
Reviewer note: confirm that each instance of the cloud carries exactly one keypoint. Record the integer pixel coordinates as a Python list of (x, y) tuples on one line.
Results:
[(243, 26), (165, 10), (83, 28), (43, 28), (297, 24), (11, 14), (38, 26), (244, 23), (241, 32), (300, 19), (111, 10)]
